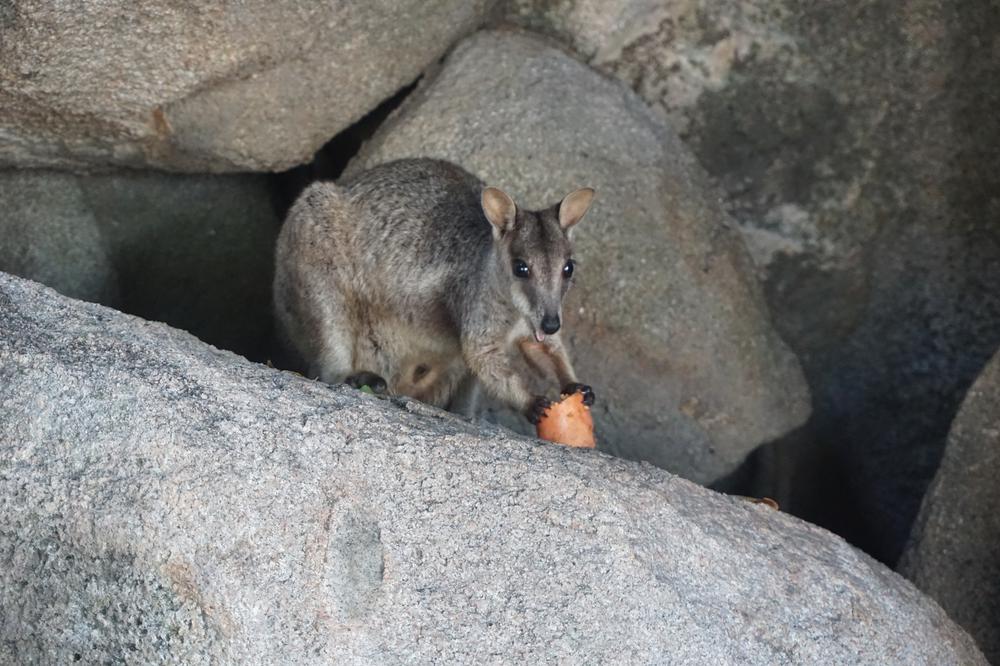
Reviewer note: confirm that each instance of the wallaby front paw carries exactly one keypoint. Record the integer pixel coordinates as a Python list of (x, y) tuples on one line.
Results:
[(576, 387), (537, 410)]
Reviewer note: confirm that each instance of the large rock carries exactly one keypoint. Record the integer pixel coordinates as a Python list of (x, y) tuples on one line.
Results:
[(163, 501), (193, 251), (667, 321), (954, 551), (853, 142), (49, 234), (259, 85)]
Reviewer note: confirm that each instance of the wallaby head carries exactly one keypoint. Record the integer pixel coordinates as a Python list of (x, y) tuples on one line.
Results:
[(535, 254)]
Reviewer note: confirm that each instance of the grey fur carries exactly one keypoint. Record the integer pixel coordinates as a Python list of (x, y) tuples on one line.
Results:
[(397, 272)]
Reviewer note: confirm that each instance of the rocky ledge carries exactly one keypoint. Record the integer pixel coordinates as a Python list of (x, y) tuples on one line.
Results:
[(161, 500)]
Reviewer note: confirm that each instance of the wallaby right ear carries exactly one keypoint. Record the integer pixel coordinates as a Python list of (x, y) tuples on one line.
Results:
[(574, 207), (499, 209)]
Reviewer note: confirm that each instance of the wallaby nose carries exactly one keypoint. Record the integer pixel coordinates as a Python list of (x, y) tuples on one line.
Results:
[(550, 324)]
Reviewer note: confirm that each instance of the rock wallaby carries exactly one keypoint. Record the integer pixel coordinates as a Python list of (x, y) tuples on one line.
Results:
[(415, 272)]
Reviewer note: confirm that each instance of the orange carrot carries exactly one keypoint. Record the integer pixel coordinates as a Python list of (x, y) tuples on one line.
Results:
[(568, 422)]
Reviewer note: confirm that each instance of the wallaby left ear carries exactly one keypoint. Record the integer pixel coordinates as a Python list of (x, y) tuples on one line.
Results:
[(574, 207)]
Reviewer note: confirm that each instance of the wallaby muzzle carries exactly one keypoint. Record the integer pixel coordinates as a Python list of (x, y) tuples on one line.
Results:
[(550, 324)]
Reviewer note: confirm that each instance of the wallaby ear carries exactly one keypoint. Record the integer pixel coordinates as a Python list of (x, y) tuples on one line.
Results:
[(574, 207), (500, 210)]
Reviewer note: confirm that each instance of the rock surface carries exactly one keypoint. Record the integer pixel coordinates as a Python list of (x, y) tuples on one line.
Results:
[(49, 234), (164, 501), (852, 141), (193, 251), (954, 551), (205, 86), (667, 321)]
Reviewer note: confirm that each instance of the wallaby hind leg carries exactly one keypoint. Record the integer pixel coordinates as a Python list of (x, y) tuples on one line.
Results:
[(328, 336), (333, 364), (319, 336), (310, 283)]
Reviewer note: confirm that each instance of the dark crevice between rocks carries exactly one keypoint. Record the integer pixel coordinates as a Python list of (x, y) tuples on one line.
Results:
[(891, 342), (331, 160), (950, 285), (805, 477)]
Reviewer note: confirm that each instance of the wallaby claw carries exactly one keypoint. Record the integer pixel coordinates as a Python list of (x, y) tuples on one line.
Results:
[(537, 410), (576, 387), (369, 379)]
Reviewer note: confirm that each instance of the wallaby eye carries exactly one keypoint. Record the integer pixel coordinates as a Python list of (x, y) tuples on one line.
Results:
[(521, 269), (568, 269)]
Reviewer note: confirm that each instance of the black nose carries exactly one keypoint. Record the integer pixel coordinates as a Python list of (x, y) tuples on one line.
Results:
[(550, 324)]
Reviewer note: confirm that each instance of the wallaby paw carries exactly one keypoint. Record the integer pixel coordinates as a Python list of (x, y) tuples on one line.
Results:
[(576, 387), (537, 410), (369, 379)]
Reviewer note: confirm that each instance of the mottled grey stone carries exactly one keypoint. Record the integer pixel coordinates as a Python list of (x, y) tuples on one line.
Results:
[(855, 144), (667, 321), (257, 85), (164, 501), (195, 251), (48, 234), (954, 551)]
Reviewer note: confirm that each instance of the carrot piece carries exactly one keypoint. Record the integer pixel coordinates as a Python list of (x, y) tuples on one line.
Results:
[(568, 422)]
